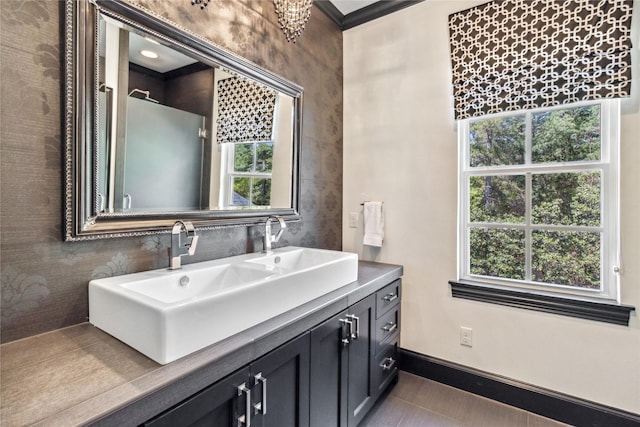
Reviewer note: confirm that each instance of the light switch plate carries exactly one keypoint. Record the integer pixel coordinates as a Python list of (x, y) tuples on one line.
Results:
[(466, 336), (353, 219)]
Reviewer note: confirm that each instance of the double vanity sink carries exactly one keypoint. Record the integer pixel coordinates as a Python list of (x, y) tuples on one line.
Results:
[(167, 314)]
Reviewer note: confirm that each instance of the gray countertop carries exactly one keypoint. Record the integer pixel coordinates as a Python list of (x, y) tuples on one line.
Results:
[(80, 375)]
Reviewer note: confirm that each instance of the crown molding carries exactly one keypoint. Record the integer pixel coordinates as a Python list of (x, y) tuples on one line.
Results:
[(330, 10), (366, 14)]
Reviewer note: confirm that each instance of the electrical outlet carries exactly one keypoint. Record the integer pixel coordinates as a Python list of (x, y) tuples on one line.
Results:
[(466, 336), (353, 219)]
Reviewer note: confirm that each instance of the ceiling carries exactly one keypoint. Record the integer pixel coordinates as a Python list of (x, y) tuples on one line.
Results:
[(351, 13), (168, 58), (348, 6)]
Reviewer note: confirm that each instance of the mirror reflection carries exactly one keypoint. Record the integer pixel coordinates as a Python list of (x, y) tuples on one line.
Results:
[(176, 134)]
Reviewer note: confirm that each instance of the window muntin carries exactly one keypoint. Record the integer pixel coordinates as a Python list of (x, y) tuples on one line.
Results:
[(539, 199)]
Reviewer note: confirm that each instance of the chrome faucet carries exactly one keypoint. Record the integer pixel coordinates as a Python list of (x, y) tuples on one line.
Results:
[(268, 238), (179, 248)]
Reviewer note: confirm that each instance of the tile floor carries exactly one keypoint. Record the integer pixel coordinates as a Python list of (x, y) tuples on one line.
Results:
[(419, 402)]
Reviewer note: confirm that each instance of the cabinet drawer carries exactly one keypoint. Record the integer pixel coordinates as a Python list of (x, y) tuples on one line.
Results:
[(386, 366), (387, 327), (388, 297)]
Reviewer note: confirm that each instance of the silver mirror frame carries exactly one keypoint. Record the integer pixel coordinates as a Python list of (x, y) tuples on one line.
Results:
[(82, 222)]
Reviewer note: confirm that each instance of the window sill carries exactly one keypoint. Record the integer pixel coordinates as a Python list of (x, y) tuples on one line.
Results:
[(616, 314)]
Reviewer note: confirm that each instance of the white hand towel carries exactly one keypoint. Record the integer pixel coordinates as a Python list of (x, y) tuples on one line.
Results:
[(373, 224)]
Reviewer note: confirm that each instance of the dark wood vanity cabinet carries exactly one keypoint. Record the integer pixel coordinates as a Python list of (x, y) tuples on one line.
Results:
[(329, 370), (348, 374), (328, 376), (387, 332), (216, 405), (342, 350), (271, 392)]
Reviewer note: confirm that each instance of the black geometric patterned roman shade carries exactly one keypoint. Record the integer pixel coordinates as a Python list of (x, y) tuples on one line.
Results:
[(522, 54), (245, 111)]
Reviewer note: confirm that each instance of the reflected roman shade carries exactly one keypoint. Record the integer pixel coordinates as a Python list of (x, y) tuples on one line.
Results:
[(522, 54), (245, 111)]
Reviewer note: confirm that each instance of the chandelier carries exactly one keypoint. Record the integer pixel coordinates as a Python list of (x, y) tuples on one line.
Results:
[(292, 16)]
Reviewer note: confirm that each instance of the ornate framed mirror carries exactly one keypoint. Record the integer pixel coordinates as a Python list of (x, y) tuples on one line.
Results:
[(162, 125)]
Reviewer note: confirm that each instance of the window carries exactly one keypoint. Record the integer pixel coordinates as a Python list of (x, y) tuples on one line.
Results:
[(247, 181), (539, 199)]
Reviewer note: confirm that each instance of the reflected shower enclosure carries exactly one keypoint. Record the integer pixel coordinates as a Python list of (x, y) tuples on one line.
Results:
[(163, 158)]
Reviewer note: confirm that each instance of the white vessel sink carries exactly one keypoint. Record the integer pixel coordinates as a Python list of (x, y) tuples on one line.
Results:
[(167, 314), (297, 259)]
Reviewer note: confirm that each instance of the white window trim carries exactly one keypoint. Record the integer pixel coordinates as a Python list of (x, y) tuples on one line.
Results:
[(609, 165)]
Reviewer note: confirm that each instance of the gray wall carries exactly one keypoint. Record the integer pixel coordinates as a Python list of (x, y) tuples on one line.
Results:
[(44, 280)]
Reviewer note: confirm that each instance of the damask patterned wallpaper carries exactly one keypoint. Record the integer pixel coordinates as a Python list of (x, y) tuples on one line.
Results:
[(44, 280)]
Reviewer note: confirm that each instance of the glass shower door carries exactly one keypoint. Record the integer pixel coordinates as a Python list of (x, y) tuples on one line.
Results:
[(163, 158)]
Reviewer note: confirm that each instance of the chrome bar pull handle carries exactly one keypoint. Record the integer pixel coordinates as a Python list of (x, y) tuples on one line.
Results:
[(355, 319), (390, 326), (261, 407), (388, 363), (346, 340), (390, 297), (245, 420)]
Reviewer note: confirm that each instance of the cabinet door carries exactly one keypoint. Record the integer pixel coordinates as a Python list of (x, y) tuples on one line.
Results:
[(362, 390), (276, 384), (329, 364), (217, 405), (280, 382)]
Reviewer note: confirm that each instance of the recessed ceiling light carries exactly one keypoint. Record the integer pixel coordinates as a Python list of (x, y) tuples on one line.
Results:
[(149, 54)]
